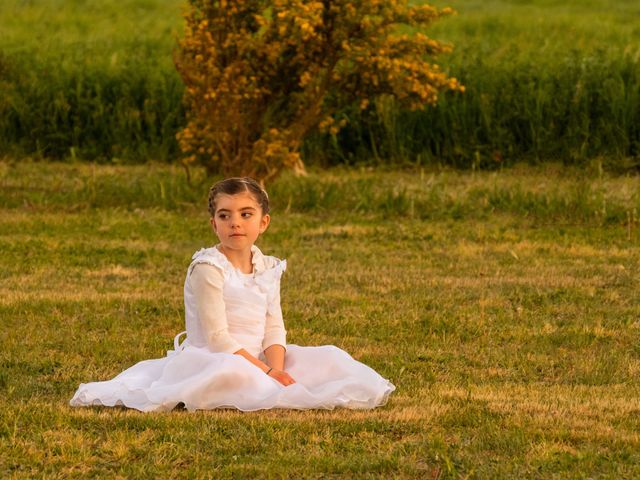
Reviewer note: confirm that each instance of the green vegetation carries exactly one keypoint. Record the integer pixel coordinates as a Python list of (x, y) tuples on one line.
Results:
[(557, 80), (90, 79), (502, 305), (545, 80)]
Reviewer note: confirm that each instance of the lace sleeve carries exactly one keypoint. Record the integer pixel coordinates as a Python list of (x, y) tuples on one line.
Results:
[(275, 332), (207, 282)]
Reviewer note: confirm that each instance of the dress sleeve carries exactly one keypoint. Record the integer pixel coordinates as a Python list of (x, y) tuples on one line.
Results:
[(274, 332), (207, 282)]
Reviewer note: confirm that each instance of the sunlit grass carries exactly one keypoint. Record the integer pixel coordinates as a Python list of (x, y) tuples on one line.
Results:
[(560, 80), (508, 322)]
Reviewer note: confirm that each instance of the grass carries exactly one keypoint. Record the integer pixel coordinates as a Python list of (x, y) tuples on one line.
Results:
[(90, 79), (561, 80), (544, 80), (502, 305)]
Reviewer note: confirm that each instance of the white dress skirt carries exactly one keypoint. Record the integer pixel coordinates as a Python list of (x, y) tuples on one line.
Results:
[(200, 379)]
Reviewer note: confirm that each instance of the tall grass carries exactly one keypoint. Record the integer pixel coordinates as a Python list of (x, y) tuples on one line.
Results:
[(90, 79), (544, 80), (542, 195)]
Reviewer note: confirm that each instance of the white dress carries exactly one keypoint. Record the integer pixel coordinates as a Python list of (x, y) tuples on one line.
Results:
[(201, 379)]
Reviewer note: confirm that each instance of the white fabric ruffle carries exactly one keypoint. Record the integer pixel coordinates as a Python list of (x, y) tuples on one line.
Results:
[(326, 377)]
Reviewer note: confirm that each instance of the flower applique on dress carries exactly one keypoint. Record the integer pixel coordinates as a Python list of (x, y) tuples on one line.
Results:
[(201, 379)]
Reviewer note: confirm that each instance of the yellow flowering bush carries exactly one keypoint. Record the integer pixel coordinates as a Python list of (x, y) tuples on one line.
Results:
[(262, 74)]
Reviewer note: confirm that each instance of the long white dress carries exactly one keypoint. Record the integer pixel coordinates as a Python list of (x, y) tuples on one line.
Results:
[(201, 379)]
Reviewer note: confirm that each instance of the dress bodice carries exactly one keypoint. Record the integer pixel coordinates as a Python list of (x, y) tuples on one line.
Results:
[(249, 299)]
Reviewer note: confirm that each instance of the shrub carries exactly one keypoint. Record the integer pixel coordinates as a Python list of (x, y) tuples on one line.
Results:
[(261, 75)]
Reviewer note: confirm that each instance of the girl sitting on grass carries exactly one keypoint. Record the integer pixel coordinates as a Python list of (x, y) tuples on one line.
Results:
[(235, 354)]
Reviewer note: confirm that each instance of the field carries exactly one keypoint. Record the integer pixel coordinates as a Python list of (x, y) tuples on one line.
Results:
[(503, 306), (545, 81)]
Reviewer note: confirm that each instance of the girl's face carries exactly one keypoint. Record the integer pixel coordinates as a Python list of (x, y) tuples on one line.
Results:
[(238, 220)]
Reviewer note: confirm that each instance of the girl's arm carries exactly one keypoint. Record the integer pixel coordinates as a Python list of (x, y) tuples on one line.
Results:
[(274, 332), (275, 356), (275, 339), (275, 359), (207, 282)]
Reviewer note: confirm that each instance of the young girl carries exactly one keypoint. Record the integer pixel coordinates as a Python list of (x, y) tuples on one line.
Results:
[(235, 353)]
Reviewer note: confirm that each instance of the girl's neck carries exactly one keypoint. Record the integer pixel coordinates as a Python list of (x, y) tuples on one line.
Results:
[(240, 259)]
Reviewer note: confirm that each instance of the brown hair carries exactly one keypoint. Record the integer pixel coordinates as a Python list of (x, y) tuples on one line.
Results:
[(234, 185)]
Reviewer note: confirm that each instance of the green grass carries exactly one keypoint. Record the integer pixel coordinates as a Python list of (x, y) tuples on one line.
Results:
[(502, 305), (559, 80), (90, 79)]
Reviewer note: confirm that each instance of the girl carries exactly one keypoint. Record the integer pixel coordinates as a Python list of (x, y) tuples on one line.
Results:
[(235, 353)]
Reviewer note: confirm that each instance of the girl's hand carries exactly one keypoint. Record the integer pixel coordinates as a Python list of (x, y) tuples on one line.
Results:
[(283, 377)]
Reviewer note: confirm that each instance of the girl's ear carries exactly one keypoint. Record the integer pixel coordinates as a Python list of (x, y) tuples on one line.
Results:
[(264, 222), (212, 220)]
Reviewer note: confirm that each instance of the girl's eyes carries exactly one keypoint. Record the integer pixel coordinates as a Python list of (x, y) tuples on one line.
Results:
[(225, 216)]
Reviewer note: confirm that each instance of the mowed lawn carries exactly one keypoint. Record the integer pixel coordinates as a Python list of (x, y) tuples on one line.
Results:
[(503, 305)]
